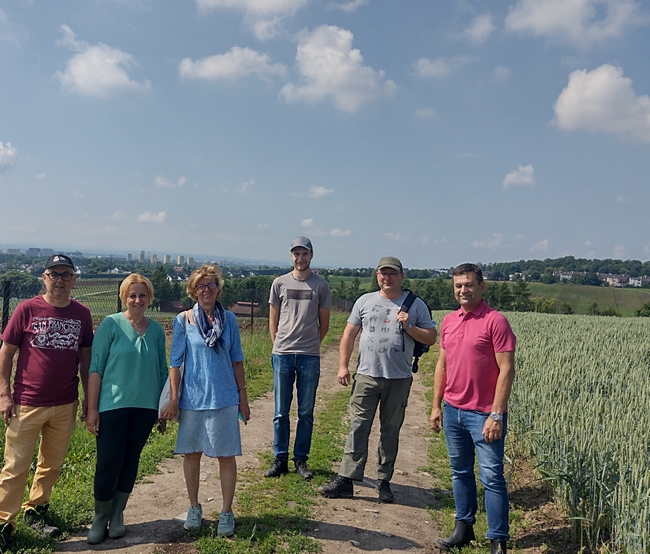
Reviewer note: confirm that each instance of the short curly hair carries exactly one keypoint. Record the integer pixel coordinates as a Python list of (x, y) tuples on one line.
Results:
[(135, 279), (206, 270)]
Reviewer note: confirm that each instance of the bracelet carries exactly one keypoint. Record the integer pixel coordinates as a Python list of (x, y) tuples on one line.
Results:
[(241, 388)]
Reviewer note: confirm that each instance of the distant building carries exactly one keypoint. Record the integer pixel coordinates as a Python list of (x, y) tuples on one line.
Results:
[(141, 256), (167, 259), (635, 282), (46, 252), (154, 258), (190, 261), (35, 252), (129, 257), (14, 251), (180, 260)]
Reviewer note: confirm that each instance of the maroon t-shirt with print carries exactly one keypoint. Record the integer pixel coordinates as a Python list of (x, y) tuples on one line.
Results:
[(48, 339)]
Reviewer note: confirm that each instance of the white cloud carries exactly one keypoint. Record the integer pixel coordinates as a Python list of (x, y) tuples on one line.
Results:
[(319, 192), (494, 243), (330, 68), (8, 155), (257, 7), (340, 232), (40, 176), (587, 244), (148, 217), (263, 16), (580, 22), (501, 73), (245, 186), (169, 184), (621, 199), (263, 226), (306, 223), (440, 67), (234, 64), (480, 29), (426, 113), (348, 7), (120, 216), (393, 236), (97, 70), (523, 176), (646, 248), (619, 251), (541, 246), (77, 194), (603, 100), (424, 240)]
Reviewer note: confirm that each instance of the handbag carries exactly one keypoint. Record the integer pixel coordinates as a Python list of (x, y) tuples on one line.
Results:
[(165, 394)]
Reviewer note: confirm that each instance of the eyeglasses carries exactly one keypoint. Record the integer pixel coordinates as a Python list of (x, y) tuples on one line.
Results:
[(210, 286), (54, 276), (388, 274)]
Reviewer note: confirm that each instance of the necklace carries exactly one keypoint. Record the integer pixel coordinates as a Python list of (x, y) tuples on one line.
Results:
[(140, 327)]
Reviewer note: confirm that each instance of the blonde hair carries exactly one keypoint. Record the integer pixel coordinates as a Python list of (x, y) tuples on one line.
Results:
[(206, 270), (135, 279)]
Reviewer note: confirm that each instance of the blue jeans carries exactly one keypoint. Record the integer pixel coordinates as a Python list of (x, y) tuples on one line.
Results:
[(305, 371), (464, 435)]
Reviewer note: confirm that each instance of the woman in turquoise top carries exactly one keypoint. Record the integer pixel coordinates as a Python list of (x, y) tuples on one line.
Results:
[(212, 392), (127, 371)]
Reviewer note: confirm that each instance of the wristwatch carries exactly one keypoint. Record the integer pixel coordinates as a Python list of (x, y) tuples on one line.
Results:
[(496, 417)]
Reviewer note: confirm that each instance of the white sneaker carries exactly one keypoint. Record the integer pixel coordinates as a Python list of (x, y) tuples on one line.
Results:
[(194, 517)]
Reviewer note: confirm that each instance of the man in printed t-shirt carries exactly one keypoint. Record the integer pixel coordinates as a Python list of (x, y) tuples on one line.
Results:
[(53, 335), (299, 318), (383, 377)]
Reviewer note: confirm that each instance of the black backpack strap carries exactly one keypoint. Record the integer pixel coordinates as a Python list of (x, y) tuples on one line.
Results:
[(410, 298)]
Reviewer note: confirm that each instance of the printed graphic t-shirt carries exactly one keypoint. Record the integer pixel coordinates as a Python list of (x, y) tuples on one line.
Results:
[(48, 339)]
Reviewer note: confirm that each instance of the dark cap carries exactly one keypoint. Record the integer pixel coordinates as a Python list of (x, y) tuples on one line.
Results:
[(390, 261), (301, 241), (58, 259)]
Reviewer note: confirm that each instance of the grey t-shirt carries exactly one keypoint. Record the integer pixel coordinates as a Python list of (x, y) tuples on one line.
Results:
[(380, 346), (300, 302)]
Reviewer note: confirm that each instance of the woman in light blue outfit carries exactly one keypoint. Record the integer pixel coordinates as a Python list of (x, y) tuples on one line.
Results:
[(212, 392)]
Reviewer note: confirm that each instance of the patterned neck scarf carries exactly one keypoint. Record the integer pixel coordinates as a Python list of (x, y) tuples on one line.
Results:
[(211, 334)]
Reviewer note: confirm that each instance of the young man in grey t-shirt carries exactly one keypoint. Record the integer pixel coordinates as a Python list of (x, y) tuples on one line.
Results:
[(299, 317), (383, 377)]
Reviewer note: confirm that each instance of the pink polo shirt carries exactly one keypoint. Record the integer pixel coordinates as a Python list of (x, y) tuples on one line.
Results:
[(470, 341)]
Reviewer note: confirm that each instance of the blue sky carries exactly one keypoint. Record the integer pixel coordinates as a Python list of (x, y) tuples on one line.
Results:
[(438, 132)]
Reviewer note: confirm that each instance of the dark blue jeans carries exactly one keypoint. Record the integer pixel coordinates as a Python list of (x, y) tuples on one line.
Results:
[(305, 371), (464, 437)]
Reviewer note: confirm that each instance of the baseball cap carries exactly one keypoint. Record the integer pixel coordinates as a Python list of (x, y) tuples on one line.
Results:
[(58, 259), (390, 261), (301, 241)]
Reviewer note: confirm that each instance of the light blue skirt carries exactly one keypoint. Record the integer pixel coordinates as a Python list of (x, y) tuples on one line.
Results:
[(213, 432)]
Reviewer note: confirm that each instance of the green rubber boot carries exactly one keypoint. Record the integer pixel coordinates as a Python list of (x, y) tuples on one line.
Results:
[(116, 528), (100, 521)]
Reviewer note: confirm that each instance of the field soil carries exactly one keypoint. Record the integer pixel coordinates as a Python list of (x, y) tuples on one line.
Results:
[(156, 510)]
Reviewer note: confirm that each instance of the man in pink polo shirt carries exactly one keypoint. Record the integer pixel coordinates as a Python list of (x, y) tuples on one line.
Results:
[(474, 376)]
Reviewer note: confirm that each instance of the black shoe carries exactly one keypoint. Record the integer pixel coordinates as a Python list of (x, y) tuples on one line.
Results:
[(303, 470), (35, 519), (385, 494), (5, 536), (339, 487), (498, 547), (463, 534), (278, 467)]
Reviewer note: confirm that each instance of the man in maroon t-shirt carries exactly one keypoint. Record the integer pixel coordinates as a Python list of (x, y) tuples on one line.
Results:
[(53, 335)]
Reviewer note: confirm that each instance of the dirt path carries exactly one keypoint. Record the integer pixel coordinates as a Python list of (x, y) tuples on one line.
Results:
[(157, 507)]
